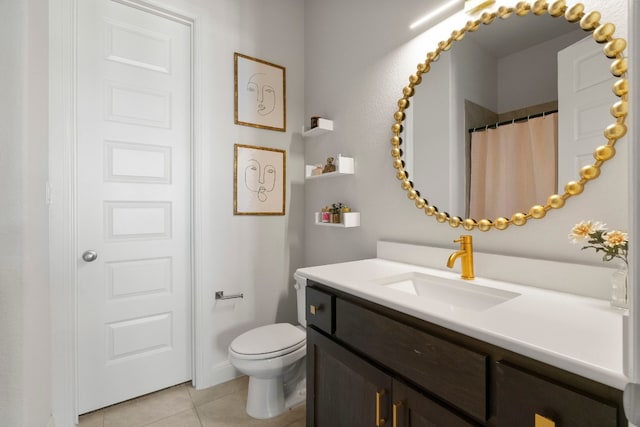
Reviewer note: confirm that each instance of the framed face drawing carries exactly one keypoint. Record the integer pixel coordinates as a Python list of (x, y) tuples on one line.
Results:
[(258, 180), (260, 93)]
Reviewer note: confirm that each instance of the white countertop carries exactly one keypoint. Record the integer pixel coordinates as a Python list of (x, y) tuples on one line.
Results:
[(578, 334)]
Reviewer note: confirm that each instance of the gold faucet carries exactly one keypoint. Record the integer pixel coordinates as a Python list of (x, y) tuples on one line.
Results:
[(466, 255)]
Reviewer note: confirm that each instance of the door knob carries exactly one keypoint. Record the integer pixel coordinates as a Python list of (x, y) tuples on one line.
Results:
[(89, 256)]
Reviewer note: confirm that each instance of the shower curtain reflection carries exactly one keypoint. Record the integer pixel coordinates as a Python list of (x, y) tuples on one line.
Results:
[(513, 166)]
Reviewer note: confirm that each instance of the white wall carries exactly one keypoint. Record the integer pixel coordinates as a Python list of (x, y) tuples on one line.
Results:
[(357, 85), (11, 239), (430, 124), (475, 80), (530, 77), (465, 72), (24, 314), (253, 255)]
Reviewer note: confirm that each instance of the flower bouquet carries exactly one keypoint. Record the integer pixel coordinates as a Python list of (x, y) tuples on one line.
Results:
[(613, 244)]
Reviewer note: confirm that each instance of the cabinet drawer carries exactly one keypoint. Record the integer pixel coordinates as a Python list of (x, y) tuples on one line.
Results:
[(453, 373), (320, 310), (521, 395)]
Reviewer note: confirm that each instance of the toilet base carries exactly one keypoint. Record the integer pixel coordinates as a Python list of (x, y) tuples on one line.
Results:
[(265, 398), (297, 396)]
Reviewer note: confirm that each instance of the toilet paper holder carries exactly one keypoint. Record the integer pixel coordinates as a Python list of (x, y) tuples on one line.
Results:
[(221, 295)]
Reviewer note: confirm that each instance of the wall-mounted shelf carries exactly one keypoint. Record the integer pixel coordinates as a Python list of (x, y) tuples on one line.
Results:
[(349, 219), (344, 166), (324, 126)]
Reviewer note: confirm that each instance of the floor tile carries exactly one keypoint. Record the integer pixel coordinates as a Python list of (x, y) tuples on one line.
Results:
[(188, 418), (150, 408), (200, 397), (288, 418), (230, 411), (300, 423), (182, 406), (227, 411), (92, 419)]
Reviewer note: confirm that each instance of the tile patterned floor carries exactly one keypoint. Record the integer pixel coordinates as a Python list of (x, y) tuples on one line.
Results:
[(183, 406)]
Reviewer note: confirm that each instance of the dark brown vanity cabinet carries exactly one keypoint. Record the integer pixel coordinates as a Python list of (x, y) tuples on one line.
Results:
[(368, 365), (348, 391), (448, 371), (345, 389)]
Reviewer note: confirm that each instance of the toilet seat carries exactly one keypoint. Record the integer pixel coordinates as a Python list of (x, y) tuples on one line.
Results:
[(268, 341)]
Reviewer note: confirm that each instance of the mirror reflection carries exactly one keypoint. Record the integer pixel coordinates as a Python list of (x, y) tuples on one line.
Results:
[(505, 118)]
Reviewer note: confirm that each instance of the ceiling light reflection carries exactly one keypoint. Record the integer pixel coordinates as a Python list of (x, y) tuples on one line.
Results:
[(451, 6)]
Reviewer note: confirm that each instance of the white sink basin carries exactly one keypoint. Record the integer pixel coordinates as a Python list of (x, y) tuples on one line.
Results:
[(453, 292)]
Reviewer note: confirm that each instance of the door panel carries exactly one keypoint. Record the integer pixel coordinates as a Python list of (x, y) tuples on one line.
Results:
[(584, 100), (133, 207)]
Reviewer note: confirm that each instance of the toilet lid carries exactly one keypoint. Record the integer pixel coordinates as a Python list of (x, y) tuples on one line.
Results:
[(267, 339)]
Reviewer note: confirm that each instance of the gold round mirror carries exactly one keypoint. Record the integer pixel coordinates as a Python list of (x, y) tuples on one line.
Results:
[(602, 33)]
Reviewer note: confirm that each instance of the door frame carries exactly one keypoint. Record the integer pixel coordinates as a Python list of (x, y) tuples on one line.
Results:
[(633, 350), (61, 197)]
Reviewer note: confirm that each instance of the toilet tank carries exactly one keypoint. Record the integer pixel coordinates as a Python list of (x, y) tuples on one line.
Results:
[(300, 285)]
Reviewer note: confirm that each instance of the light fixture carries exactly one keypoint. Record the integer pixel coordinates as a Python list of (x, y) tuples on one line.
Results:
[(474, 6), (451, 6)]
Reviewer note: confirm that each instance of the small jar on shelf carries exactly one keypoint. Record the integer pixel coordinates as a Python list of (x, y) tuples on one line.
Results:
[(335, 166), (325, 215), (319, 126), (338, 215), (336, 212)]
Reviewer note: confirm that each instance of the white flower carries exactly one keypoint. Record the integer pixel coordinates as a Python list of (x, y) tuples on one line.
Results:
[(615, 238), (613, 244), (582, 230)]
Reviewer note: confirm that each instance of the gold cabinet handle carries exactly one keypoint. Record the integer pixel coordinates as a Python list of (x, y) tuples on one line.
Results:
[(313, 309), (544, 421), (396, 406), (379, 421)]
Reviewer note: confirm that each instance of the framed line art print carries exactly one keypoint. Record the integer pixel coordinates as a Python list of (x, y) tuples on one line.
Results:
[(259, 176), (259, 93)]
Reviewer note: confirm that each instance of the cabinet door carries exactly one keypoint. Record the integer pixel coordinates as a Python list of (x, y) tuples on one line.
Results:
[(342, 389), (527, 400), (454, 373), (413, 409)]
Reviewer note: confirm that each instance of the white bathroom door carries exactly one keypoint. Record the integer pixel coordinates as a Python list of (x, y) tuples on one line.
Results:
[(133, 205), (584, 98)]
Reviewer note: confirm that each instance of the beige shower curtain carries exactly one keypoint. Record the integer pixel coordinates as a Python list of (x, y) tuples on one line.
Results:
[(513, 167)]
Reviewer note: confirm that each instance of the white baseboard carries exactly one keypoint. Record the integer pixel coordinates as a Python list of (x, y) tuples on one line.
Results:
[(218, 374)]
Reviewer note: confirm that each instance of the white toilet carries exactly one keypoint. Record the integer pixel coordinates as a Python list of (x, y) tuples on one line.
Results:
[(273, 356)]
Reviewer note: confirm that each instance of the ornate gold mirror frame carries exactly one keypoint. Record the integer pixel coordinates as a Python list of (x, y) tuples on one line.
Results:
[(613, 48)]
